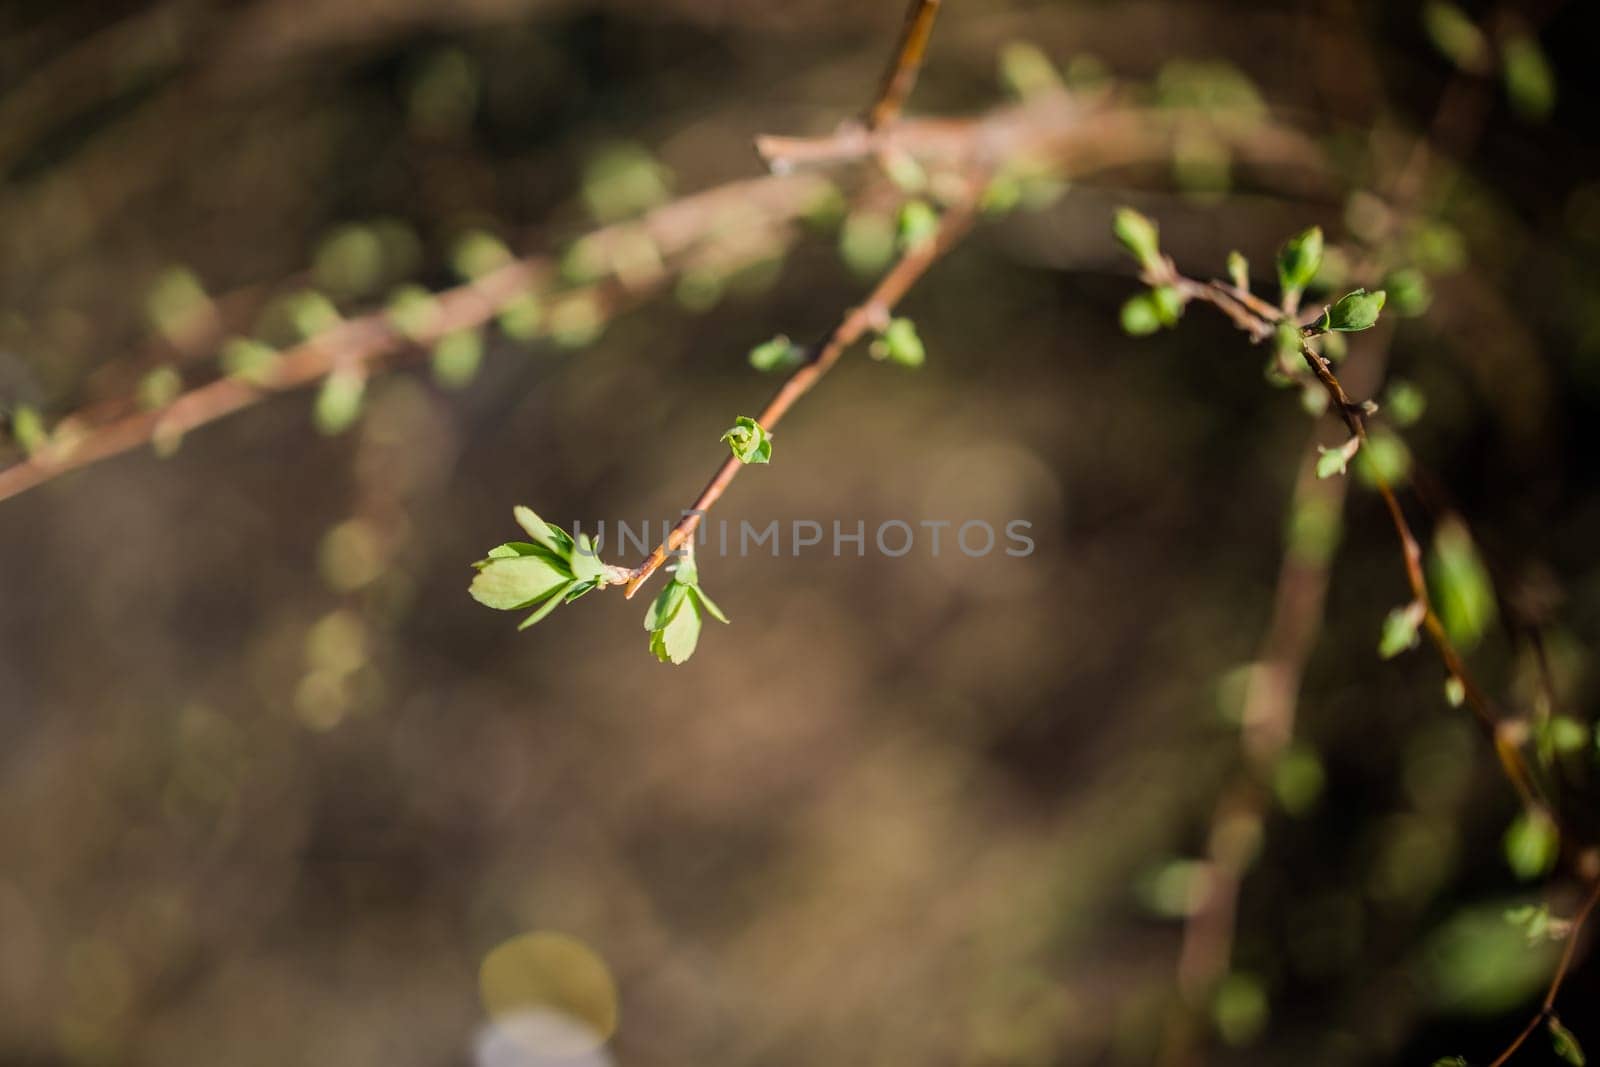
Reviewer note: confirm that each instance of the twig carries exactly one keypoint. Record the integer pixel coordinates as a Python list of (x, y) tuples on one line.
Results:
[(105, 430), (901, 76), (872, 314), (1260, 326), (1548, 1005)]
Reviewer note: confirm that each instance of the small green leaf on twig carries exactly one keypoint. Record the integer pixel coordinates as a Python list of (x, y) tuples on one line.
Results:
[(159, 387), (1355, 311), (674, 617), (780, 353), (456, 358), (1331, 461), (1565, 1044), (338, 402), (748, 440), (900, 344), (1401, 629), (1140, 316), (1139, 236), (477, 253), (1532, 844), (1298, 261), (1239, 270), (918, 224), (28, 429)]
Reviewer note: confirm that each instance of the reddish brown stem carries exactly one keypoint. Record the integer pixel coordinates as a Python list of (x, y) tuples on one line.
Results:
[(901, 76), (870, 315)]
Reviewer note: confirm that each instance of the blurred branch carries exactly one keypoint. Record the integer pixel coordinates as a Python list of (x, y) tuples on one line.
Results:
[(1077, 137), (361, 343), (1547, 1008), (901, 77)]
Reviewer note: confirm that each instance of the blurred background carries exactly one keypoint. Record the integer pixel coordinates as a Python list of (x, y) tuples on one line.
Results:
[(273, 789)]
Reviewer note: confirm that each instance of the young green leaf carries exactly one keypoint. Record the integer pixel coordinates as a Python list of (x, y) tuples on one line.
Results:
[(1168, 304), (780, 353), (674, 642), (1456, 36), (1530, 83), (456, 358), (1565, 1044), (1298, 261), (513, 583), (543, 533), (1139, 236), (412, 310), (28, 429), (1409, 292), (1354, 312), (585, 560), (1532, 844), (1401, 630), (918, 223), (665, 605), (1239, 270), (900, 344), (1026, 71), (338, 403), (251, 360), (550, 603), (1332, 461), (477, 253), (1404, 403), (521, 318), (1462, 589), (159, 387), (707, 604), (1140, 315), (748, 440), (1384, 459)]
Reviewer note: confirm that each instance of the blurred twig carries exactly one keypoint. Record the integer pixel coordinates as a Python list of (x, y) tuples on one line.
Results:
[(901, 76)]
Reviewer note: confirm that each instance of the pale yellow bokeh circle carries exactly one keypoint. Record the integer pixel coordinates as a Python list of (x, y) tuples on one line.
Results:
[(546, 972)]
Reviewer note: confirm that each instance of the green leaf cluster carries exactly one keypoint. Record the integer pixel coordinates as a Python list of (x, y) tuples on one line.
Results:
[(749, 441), (674, 617), (1149, 311), (551, 569)]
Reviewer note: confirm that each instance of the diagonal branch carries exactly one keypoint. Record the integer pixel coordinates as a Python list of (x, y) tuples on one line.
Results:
[(901, 76), (872, 314)]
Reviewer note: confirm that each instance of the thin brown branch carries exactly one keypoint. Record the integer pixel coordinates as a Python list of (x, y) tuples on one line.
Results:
[(1547, 1007), (872, 314), (1263, 322), (901, 76)]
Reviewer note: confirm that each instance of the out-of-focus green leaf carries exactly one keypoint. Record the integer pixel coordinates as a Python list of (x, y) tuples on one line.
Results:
[(1532, 844), (1530, 82), (1462, 591)]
